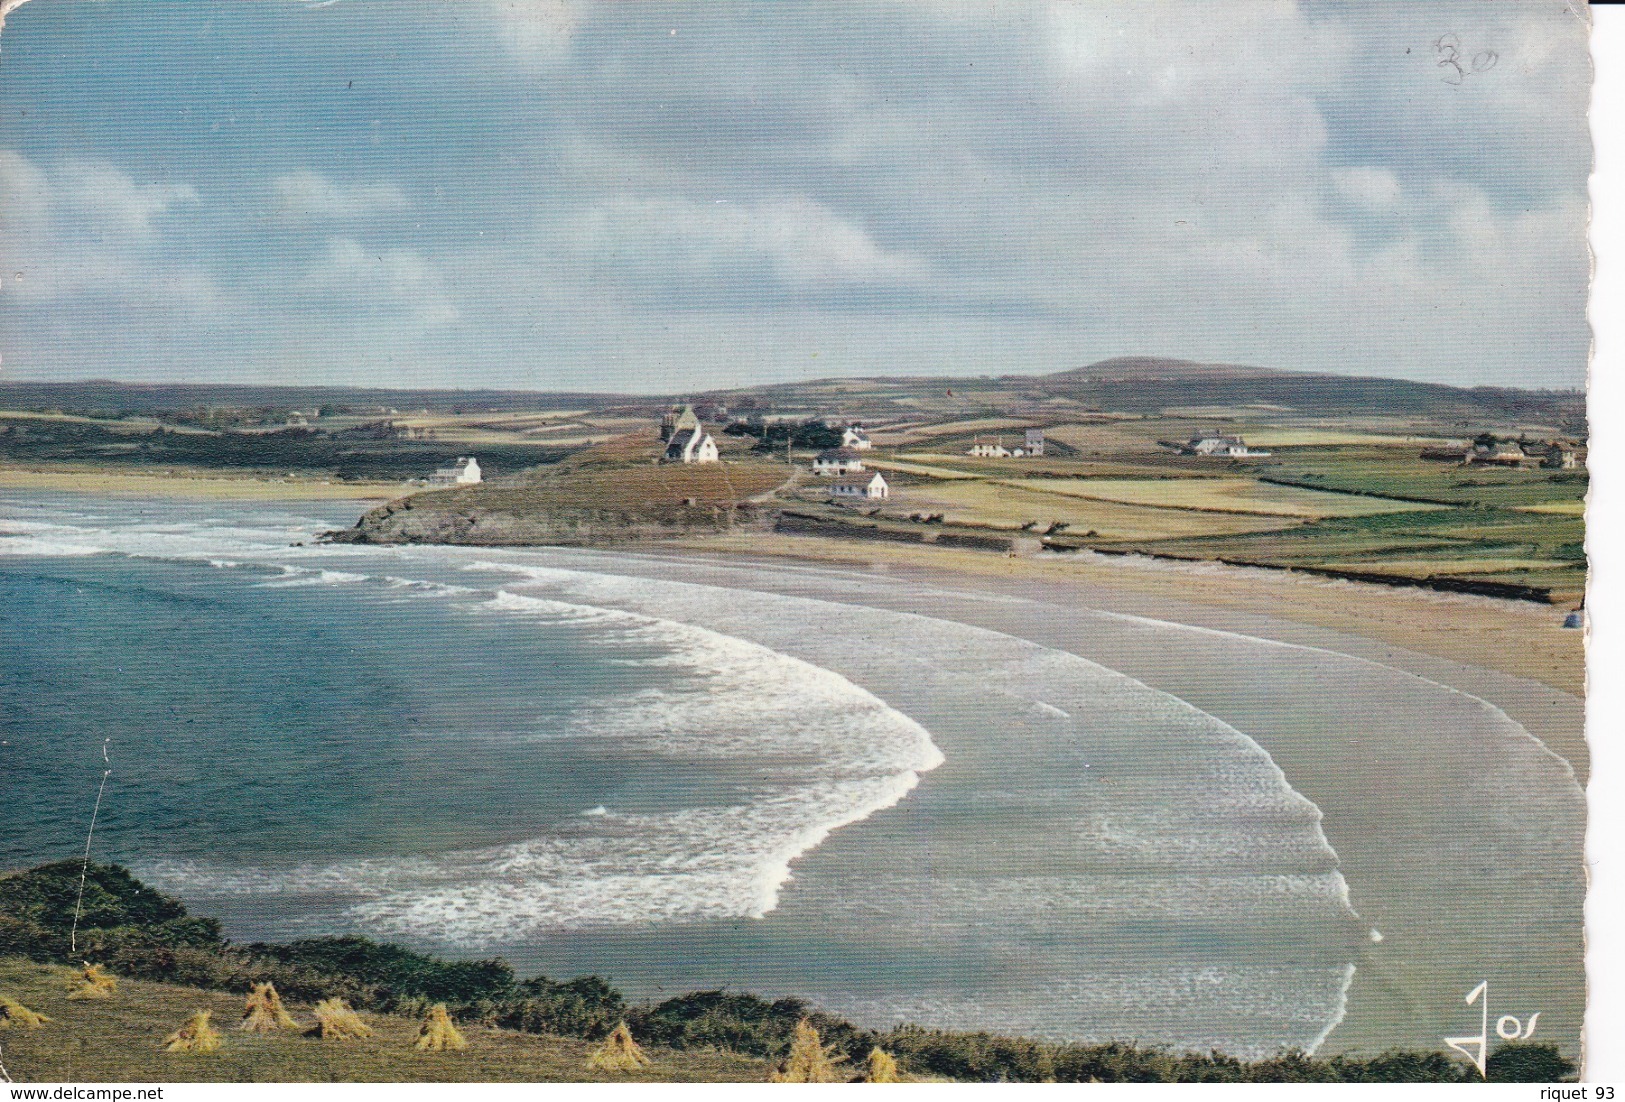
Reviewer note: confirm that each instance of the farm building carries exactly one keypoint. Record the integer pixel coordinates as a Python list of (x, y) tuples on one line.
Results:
[(856, 439), (1560, 458), (1035, 442), (1500, 453), (837, 461), (994, 450), (690, 446), (464, 472), (867, 485)]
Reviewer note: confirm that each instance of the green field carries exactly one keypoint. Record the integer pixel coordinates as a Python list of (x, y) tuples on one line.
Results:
[(1398, 471)]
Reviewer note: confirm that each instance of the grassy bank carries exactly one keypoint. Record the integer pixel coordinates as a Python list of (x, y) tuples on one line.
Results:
[(117, 1040), (184, 964)]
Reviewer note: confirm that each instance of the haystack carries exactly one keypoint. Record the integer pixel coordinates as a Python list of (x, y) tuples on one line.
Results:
[(197, 1035), (619, 1052), (809, 1061), (93, 982), (336, 1021), (14, 1015), (879, 1067), (263, 1012), (437, 1033)]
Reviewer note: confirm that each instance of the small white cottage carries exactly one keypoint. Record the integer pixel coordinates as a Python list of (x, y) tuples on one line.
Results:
[(464, 472), (865, 485)]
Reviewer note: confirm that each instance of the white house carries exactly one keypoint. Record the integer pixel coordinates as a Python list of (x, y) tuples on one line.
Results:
[(837, 461), (856, 439), (989, 451), (690, 446), (1233, 447), (464, 472), (868, 485)]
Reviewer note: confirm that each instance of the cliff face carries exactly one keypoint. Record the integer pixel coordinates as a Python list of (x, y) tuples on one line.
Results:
[(463, 522)]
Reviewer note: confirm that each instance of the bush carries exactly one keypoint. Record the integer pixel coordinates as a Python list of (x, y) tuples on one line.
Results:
[(397, 971), (46, 896), (1528, 1063)]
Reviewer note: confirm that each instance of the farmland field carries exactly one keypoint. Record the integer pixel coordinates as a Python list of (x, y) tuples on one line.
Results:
[(1228, 495), (1007, 505), (1401, 473)]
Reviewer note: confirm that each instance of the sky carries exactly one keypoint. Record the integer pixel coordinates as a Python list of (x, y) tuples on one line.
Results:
[(651, 197)]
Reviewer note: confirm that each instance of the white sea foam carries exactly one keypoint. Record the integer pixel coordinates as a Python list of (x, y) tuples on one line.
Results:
[(760, 677), (830, 754), (46, 548)]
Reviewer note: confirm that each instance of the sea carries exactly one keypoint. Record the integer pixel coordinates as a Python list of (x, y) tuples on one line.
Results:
[(575, 762)]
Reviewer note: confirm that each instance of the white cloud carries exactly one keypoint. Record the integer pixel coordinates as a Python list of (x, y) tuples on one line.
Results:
[(87, 229), (306, 195), (107, 200), (802, 242), (537, 33), (393, 286), (1374, 189)]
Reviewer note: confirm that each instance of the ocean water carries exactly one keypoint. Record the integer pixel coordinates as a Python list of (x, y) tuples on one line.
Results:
[(565, 760)]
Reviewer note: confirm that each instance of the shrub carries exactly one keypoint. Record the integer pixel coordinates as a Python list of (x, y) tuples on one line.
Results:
[(1528, 1063), (395, 970)]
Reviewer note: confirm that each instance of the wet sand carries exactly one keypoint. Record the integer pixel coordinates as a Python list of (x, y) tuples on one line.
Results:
[(1457, 822)]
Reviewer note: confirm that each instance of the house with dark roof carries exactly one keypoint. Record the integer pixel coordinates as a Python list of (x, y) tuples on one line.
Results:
[(837, 461), (690, 446)]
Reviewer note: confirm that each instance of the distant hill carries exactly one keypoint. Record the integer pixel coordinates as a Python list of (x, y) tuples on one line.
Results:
[(1124, 368), (112, 397), (1132, 384)]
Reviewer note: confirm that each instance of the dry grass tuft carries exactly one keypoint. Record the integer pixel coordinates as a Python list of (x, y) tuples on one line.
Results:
[(619, 1052), (438, 1033), (93, 982), (809, 1061), (197, 1035), (337, 1022), (879, 1067), (14, 1015), (264, 1013)]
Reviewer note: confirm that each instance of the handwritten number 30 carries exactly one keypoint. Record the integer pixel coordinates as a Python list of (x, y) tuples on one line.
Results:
[(1450, 57)]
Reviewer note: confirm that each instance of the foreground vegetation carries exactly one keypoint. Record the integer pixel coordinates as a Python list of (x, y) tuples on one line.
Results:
[(117, 1040), (140, 934)]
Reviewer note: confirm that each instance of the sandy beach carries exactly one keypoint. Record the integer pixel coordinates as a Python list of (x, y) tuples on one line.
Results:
[(196, 485), (1449, 790)]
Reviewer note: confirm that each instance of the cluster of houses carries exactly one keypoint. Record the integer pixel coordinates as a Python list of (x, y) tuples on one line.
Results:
[(1487, 451), (687, 442), (1031, 448), (849, 478)]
